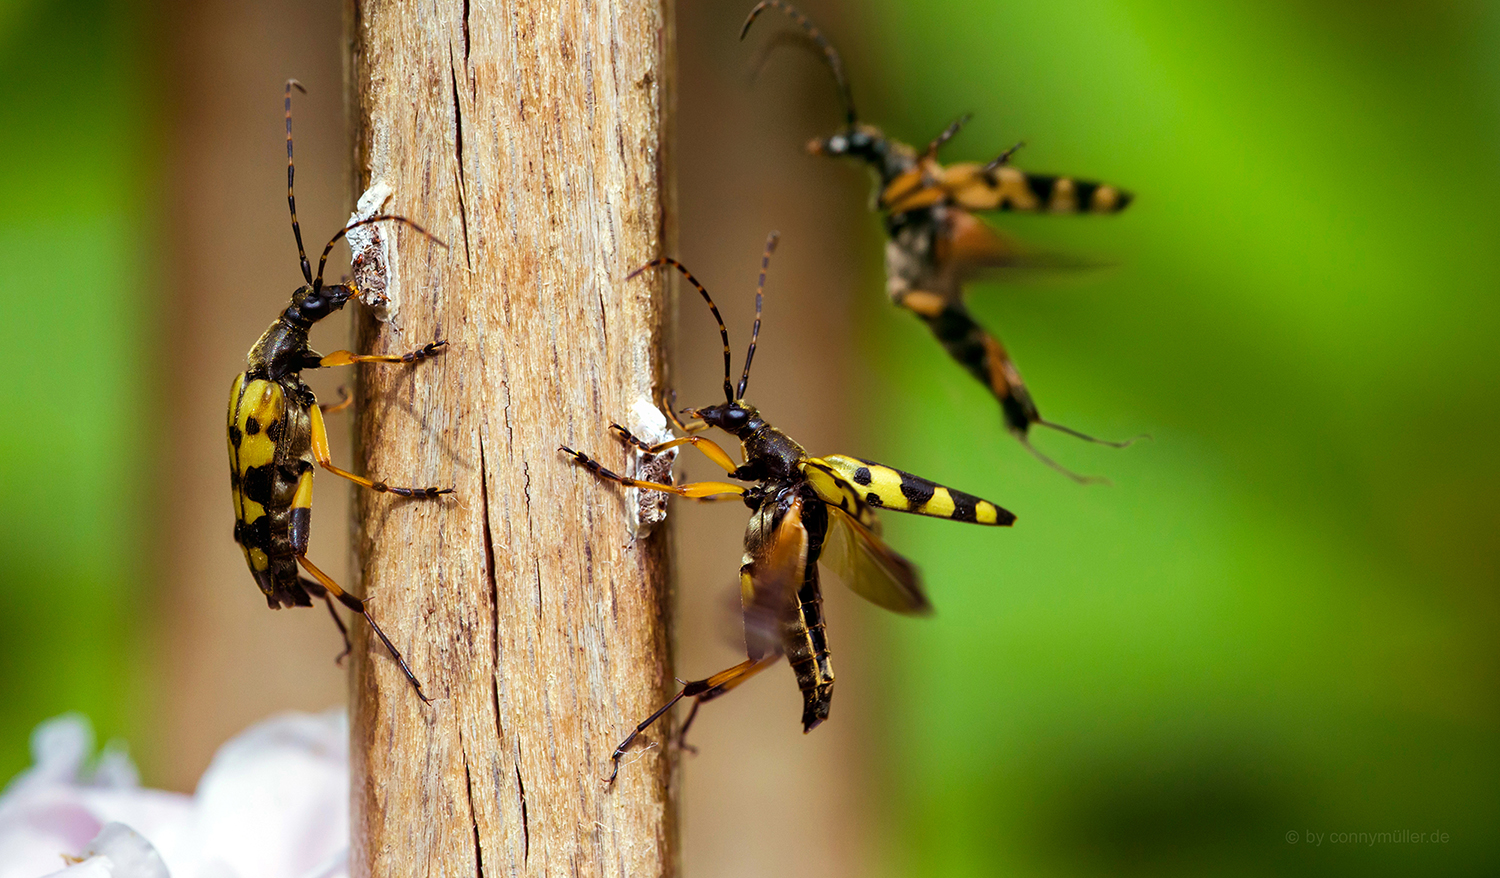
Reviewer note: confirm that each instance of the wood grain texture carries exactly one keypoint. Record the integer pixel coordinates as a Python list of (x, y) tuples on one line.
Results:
[(530, 136)]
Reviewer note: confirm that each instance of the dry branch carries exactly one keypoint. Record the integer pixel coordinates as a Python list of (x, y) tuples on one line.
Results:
[(529, 135)]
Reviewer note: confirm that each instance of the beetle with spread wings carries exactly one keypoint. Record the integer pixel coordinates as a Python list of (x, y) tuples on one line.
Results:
[(936, 242), (804, 510)]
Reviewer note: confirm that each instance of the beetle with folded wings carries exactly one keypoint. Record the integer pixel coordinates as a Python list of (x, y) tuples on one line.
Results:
[(804, 509)]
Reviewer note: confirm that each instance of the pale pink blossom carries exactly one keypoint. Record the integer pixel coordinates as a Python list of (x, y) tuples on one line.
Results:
[(273, 804)]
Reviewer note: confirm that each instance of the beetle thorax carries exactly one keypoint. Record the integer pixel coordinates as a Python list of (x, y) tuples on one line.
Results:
[(772, 454), (280, 350)]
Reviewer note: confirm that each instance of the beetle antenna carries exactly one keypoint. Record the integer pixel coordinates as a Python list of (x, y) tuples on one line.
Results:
[(291, 171), (317, 283), (835, 64), (760, 288), (723, 333)]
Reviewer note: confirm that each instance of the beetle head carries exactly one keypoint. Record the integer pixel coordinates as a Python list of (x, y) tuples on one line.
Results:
[(738, 418), (311, 304), (858, 140)]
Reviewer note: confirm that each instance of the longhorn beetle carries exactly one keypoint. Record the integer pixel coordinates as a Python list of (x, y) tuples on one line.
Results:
[(276, 434), (803, 509), (936, 242)]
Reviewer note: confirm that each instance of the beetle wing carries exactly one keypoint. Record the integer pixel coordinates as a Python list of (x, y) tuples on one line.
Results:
[(969, 244), (870, 568), (770, 582)]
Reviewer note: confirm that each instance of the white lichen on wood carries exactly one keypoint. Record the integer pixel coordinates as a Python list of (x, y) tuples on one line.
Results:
[(647, 509), (372, 268)]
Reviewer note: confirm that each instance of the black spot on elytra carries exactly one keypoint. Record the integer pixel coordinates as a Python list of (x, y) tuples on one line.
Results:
[(918, 491), (252, 426), (256, 534), (963, 506), (1085, 194), (1041, 185), (258, 482), (234, 436), (862, 476), (873, 499), (273, 430)]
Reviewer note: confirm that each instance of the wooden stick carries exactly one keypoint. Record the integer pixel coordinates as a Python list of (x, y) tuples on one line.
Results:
[(530, 136)]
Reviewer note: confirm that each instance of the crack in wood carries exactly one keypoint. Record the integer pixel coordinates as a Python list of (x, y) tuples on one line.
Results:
[(466, 33), (525, 820), (473, 814), (489, 573), (458, 138)]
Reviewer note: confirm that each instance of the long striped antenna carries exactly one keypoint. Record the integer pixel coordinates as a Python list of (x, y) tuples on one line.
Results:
[(317, 283), (760, 288), (291, 172), (723, 333), (835, 64)]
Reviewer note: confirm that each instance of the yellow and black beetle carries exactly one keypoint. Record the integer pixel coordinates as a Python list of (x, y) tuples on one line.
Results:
[(804, 509), (276, 435), (936, 242)]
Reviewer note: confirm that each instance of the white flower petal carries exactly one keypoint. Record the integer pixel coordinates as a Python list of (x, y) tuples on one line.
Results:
[(275, 801), (93, 867), (274, 804), (119, 852)]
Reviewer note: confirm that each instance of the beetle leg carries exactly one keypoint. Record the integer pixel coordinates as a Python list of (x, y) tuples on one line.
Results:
[(325, 460), (700, 691), (345, 358), (669, 400), (358, 606), (345, 400), (695, 490), (947, 135), (318, 591), (709, 447)]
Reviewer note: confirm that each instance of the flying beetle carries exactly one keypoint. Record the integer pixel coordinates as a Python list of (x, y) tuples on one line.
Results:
[(276, 435), (936, 242), (804, 509)]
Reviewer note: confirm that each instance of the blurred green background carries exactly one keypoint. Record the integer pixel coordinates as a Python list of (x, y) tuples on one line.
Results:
[(1279, 620), (81, 401), (1282, 617)]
